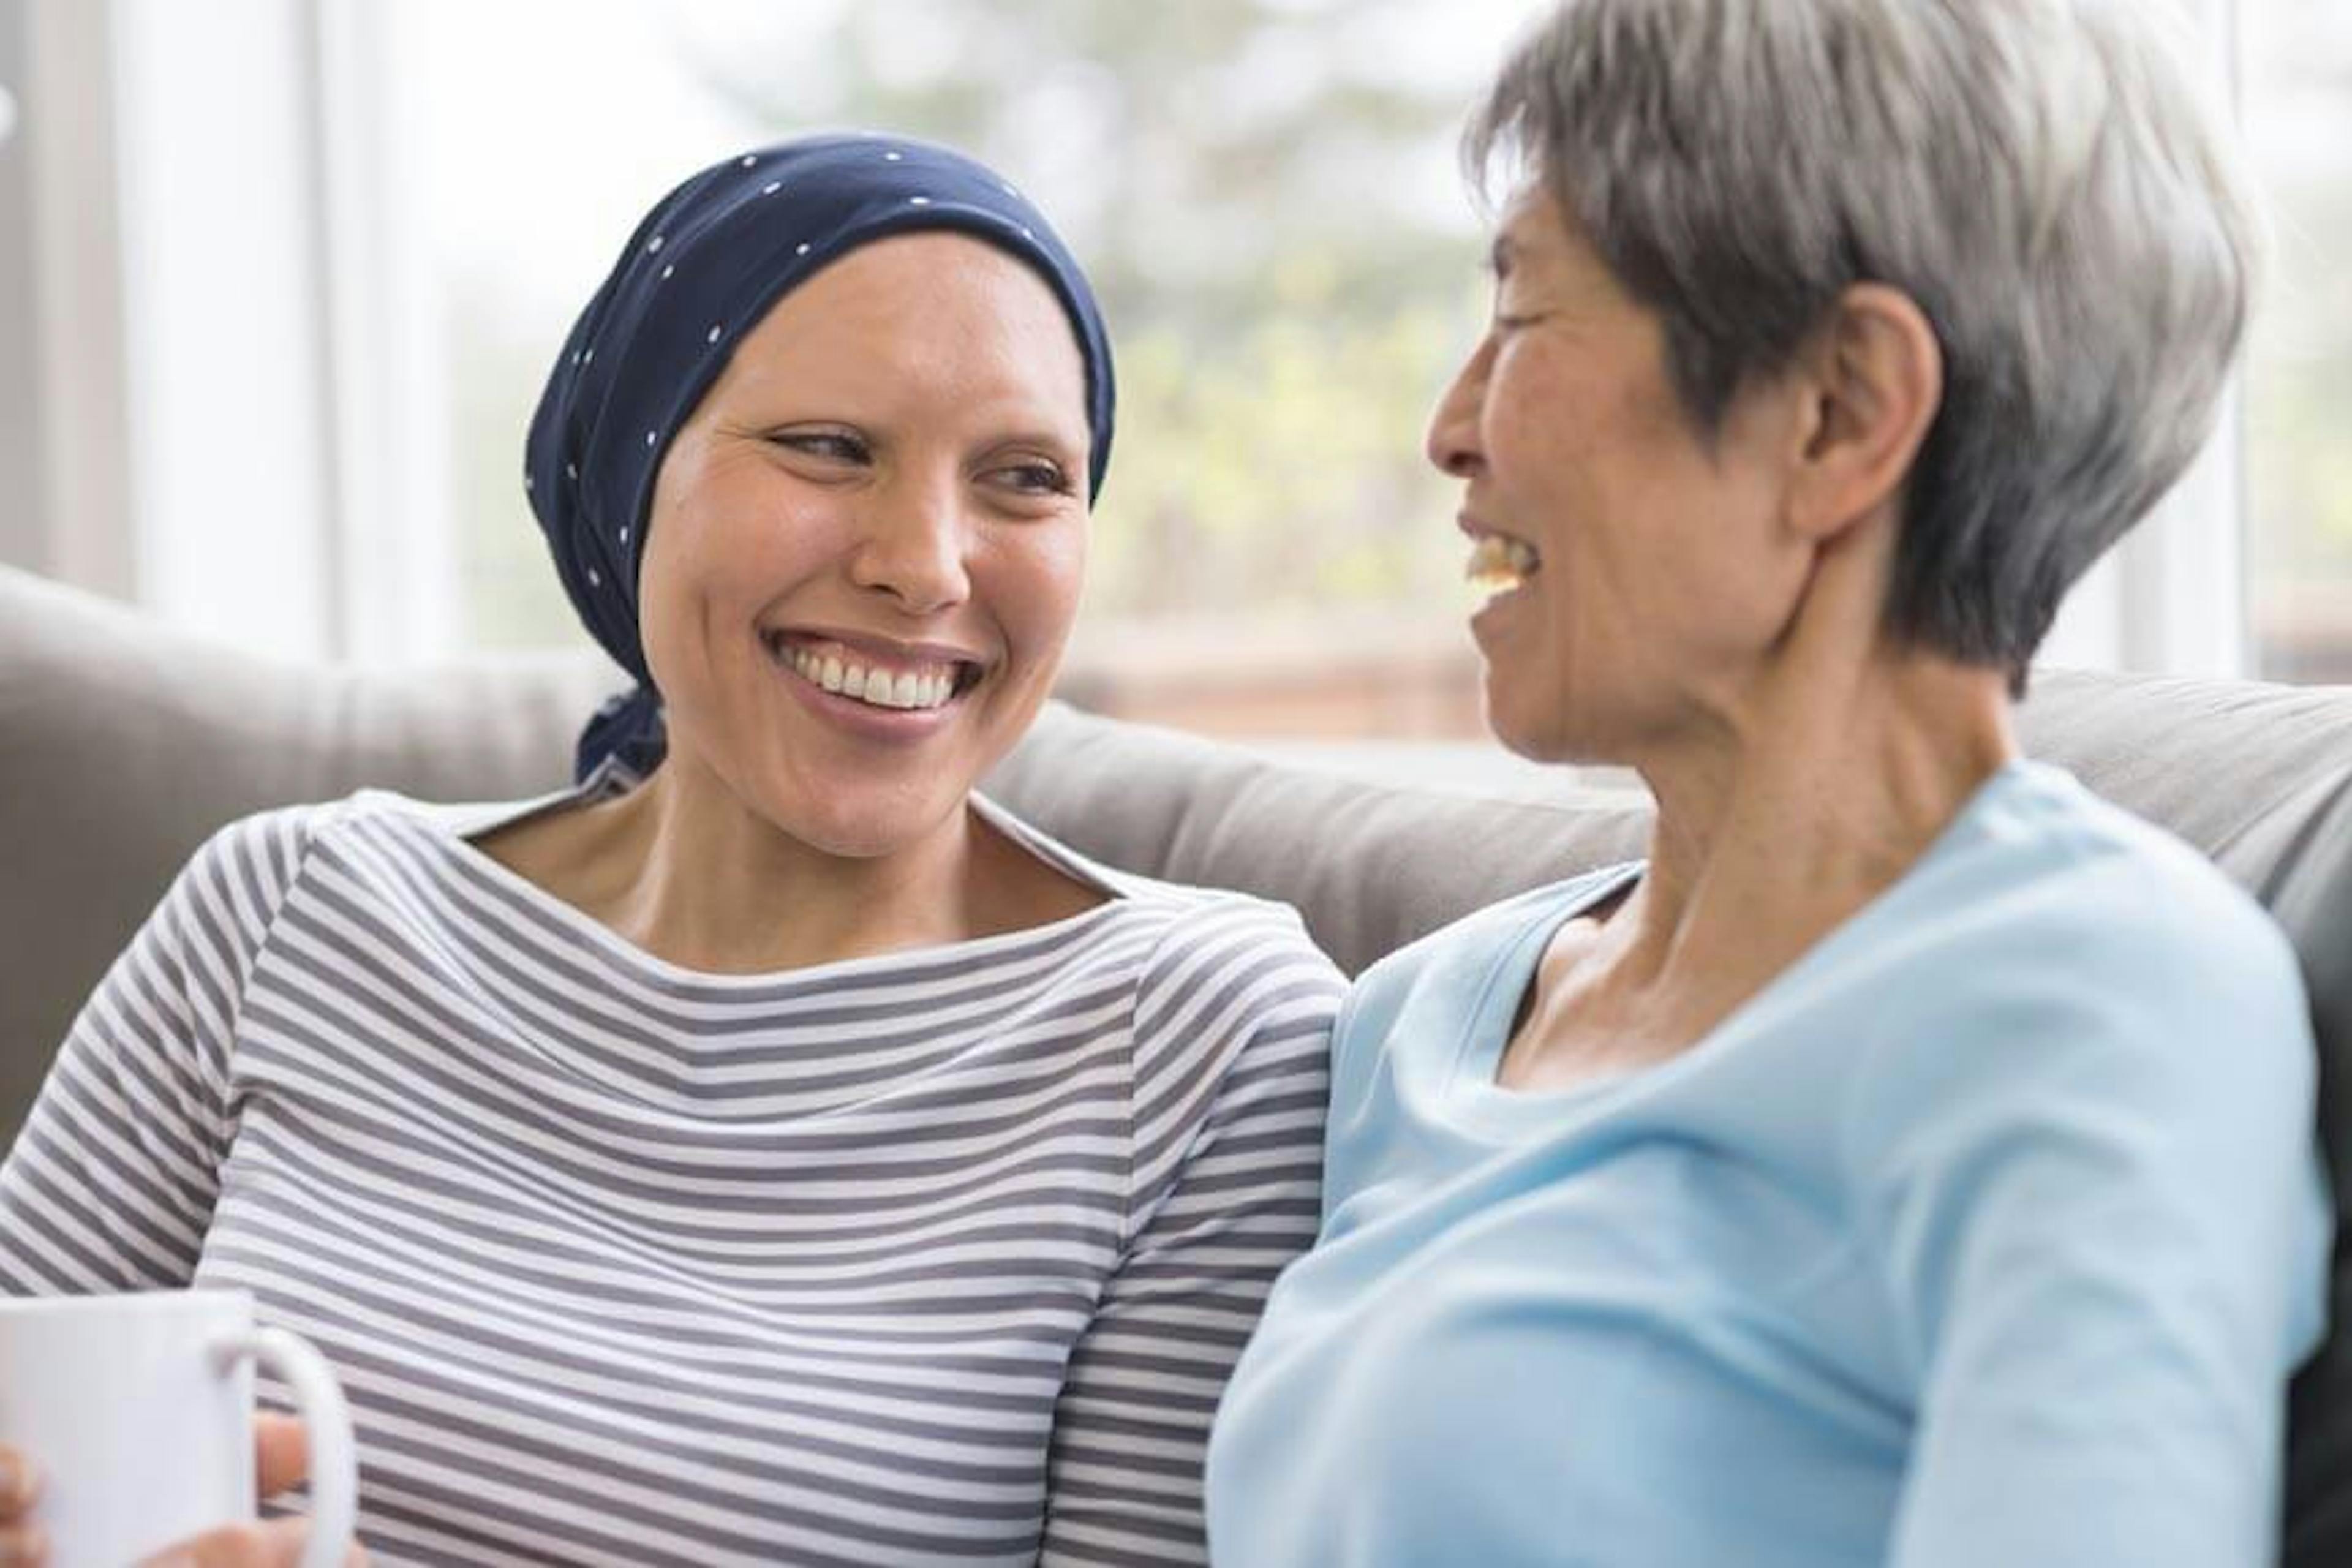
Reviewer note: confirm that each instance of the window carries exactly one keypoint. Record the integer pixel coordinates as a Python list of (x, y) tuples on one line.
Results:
[(2297, 70), (353, 235), (1264, 193)]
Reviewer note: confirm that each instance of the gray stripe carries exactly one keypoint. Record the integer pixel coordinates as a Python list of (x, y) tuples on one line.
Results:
[(781, 1203), (1219, 996), (175, 1195), (521, 1542), (444, 1226), (1005, 1463), (301, 1048), (308, 932), (1013, 1528), (72, 1231), (745, 1330), (639, 991), (928, 964), (200, 925), (100, 1235)]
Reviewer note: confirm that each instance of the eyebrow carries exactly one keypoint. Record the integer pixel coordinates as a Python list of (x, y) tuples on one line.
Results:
[(1499, 257), (1045, 440)]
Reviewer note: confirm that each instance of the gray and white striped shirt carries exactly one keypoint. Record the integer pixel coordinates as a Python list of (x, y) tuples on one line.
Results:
[(937, 1257)]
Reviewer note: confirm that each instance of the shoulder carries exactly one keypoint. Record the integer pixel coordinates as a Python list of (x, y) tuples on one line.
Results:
[(264, 850), (1194, 940), (226, 897), (2063, 952), (259, 858), (1213, 953), (2048, 880), (1233, 1014)]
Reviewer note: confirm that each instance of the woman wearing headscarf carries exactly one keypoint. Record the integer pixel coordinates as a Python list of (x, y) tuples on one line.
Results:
[(768, 1150), (1910, 1161)]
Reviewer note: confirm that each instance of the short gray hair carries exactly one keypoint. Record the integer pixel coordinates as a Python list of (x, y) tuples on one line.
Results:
[(2040, 176)]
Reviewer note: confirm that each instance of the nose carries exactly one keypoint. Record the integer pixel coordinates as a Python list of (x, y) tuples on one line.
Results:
[(1452, 441), (913, 547)]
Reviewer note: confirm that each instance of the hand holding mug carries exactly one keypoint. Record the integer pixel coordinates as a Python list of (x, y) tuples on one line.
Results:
[(139, 1410), (280, 1459)]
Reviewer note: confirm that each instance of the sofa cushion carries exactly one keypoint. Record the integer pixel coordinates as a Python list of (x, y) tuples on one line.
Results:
[(2232, 767), (1370, 866), (125, 745)]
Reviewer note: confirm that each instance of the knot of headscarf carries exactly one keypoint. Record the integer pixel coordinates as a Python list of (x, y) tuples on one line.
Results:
[(700, 272)]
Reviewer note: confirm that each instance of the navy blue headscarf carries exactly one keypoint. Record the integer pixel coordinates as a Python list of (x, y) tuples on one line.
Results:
[(700, 272)]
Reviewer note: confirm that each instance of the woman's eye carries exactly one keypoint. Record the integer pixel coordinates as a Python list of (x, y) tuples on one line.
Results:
[(831, 446), (1037, 478)]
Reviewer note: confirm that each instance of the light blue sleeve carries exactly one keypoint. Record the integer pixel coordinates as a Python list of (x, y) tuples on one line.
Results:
[(2094, 1192)]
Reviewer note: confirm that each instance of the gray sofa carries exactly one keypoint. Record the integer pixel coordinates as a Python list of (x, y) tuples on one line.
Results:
[(123, 745)]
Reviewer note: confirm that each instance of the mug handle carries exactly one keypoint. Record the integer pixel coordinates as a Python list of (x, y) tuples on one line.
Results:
[(318, 1400)]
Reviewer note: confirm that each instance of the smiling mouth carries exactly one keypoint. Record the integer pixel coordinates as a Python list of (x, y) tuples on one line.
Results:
[(1498, 565), (860, 678)]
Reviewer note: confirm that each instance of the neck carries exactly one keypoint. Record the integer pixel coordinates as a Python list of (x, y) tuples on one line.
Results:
[(1826, 805), (1806, 792), (684, 870)]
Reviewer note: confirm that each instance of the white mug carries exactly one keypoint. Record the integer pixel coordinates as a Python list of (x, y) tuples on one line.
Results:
[(138, 1411)]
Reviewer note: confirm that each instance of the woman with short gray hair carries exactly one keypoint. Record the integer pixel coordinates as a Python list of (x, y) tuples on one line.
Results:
[(1910, 1159)]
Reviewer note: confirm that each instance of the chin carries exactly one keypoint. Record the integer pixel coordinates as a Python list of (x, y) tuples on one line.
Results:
[(1547, 722), (848, 815), (1525, 728), (874, 831), (1535, 747)]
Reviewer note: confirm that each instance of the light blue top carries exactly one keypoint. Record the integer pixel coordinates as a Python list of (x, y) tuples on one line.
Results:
[(1988, 1233)]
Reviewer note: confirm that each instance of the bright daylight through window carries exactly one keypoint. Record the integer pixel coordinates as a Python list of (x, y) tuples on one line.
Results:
[(1266, 194), (2296, 71)]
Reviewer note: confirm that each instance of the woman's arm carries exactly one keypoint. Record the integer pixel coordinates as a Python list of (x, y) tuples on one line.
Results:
[(2105, 1237), (1232, 1032), (112, 1184)]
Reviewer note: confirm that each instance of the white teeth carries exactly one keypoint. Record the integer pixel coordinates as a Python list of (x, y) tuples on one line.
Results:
[(881, 688)]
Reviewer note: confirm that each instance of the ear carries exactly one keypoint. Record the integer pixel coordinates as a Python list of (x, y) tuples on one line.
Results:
[(1872, 378)]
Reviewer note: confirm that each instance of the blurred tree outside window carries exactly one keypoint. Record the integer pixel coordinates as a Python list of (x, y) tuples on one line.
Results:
[(1267, 195)]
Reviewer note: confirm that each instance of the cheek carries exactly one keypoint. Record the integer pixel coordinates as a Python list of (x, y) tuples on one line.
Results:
[(662, 589), (714, 558), (1035, 583), (1717, 567), (733, 540), (1545, 432)]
